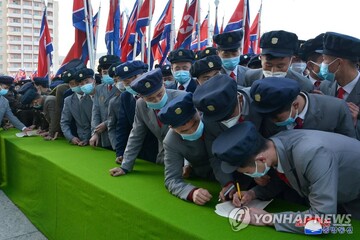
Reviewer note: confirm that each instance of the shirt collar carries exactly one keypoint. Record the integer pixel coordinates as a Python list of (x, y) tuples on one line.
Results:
[(235, 71), (304, 111), (350, 86), (185, 84)]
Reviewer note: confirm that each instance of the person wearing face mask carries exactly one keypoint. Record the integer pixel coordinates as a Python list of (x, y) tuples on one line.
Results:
[(154, 97), (310, 52), (229, 49), (127, 73), (47, 105), (209, 51), (42, 85), (206, 68), (168, 77), (5, 110), (223, 106), (278, 48), (181, 60), (103, 93), (340, 57), (185, 140), (311, 162), (78, 108), (114, 103)]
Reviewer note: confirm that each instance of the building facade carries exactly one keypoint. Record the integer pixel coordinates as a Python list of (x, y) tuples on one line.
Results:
[(20, 23)]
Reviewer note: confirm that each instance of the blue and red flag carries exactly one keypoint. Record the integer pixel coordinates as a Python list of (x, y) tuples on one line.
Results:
[(126, 47), (45, 49), (188, 23), (113, 28), (255, 34), (203, 36)]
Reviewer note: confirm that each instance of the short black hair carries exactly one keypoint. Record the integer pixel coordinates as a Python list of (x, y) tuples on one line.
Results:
[(262, 146)]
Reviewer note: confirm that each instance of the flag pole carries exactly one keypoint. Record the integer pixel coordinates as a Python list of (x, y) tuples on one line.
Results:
[(149, 33), (97, 30), (172, 31), (244, 26), (88, 34), (91, 29), (198, 25), (136, 33), (258, 29), (208, 30)]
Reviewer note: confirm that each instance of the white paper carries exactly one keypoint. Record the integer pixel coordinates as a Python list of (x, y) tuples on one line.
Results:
[(224, 209), (29, 133)]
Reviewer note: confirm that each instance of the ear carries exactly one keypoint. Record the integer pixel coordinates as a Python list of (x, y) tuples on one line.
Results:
[(295, 104), (260, 158)]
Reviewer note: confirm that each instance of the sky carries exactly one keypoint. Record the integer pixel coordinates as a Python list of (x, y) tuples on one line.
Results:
[(306, 18)]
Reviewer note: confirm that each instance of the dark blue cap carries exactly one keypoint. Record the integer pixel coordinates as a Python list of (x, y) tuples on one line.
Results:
[(181, 55), (228, 40), (236, 145), (130, 69), (112, 69), (6, 80), (245, 58), (209, 51), (106, 61), (178, 111), (166, 70), (279, 43), (44, 82), (83, 74), (148, 83), (311, 46), (272, 93), (340, 45), (28, 96), (204, 65), (68, 75), (26, 87), (255, 62), (216, 98)]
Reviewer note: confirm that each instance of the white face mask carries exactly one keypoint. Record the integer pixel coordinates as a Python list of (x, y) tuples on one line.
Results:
[(119, 85), (274, 74), (232, 121)]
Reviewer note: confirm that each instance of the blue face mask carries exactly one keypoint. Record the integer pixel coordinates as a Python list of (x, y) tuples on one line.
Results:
[(159, 104), (182, 76), (195, 135), (130, 90), (169, 83), (76, 89), (324, 71), (318, 74), (39, 106), (3, 92), (87, 88), (106, 79), (230, 63), (257, 174), (288, 121)]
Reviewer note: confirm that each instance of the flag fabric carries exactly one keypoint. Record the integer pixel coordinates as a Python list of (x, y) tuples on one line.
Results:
[(20, 75), (236, 21), (160, 43), (126, 47), (112, 32), (216, 27), (80, 47), (188, 23), (246, 29), (33, 74), (255, 34), (203, 36), (45, 49), (222, 26)]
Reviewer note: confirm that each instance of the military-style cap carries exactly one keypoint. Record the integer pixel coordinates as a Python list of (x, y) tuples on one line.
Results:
[(166, 70), (209, 51), (314, 45), (28, 96), (178, 111), (236, 145), (279, 43), (181, 55), (83, 74), (44, 82), (68, 75), (130, 69), (272, 93), (25, 87), (228, 40), (206, 64), (148, 83), (340, 45), (216, 98), (6, 80), (112, 69), (106, 61), (255, 62), (245, 58)]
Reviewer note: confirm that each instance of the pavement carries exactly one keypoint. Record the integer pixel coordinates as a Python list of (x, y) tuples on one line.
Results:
[(13, 223)]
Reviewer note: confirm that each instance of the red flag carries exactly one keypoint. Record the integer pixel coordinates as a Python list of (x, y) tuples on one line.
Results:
[(183, 39), (203, 36), (45, 48), (126, 47), (255, 35)]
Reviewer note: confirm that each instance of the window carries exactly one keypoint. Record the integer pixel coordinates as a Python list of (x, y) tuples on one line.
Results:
[(26, 20), (27, 3), (16, 11), (16, 29), (27, 56), (27, 47), (15, 20), (50, 5), (26, 11), (27, 30), (15, 38), (28, 65), (15, 47), (50, 14), (15, 56), (15, 65), (17, 2)]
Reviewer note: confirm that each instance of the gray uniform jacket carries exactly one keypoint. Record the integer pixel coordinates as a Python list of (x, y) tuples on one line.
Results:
[(353, 97), (5, 110), (112, 120), (176, 149), (240, 75), (322, 167), (100, 110), (80, 111), (146, 119), (52, 114), (254, 74)]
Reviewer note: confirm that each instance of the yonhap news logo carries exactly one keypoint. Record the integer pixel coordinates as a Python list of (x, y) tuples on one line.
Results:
[(239, 218)]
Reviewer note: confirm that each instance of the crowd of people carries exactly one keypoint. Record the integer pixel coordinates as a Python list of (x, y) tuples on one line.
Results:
[(283, 123)]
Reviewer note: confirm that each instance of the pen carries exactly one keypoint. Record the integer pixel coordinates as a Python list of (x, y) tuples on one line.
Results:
[(238, 190), (227, 191)]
